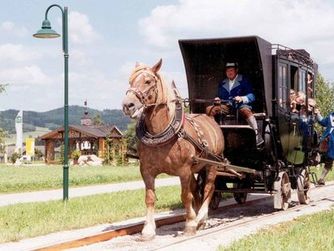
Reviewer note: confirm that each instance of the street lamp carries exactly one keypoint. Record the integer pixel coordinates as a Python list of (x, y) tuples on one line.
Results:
[(47, 32)]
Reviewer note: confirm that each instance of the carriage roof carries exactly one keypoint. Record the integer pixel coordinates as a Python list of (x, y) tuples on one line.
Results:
[(204, 61)]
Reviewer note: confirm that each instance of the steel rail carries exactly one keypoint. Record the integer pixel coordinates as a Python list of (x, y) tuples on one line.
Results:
[(137, 227)]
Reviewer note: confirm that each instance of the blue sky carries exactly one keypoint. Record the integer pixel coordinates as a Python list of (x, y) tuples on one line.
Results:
[(107, 38)]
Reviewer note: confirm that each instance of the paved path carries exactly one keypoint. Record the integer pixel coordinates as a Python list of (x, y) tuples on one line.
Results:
[(9, 199)]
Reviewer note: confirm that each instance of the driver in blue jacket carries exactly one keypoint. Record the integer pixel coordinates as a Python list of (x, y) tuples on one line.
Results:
[(237, 89)]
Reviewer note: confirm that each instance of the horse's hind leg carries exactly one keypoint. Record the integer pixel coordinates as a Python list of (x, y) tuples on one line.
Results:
[(148, 231), (209, 189), (187, 197)]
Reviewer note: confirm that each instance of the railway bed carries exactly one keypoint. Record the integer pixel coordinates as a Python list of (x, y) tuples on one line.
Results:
[(231, 220)]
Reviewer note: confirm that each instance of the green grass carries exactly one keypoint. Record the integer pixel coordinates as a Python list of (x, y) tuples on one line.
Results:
[(315, 232), (330, 175), (34, 219), (33, 178)]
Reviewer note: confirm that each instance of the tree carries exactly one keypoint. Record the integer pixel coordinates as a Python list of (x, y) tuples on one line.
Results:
[(324, 95), (131, 138), (2, 87), (3, 134), (97, 120)]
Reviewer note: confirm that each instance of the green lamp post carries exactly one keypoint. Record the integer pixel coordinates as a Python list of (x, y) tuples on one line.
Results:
[(47, 32)]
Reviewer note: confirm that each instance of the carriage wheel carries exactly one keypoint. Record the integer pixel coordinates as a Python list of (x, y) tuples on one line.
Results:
[(303, 186), (240, 198), (282, 186), (214, 203)]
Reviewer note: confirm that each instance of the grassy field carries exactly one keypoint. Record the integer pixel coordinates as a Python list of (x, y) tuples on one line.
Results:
[(33, 178), (313, 232), (34, 219)]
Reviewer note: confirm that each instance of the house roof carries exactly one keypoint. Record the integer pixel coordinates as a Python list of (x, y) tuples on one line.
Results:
[(87, 131)]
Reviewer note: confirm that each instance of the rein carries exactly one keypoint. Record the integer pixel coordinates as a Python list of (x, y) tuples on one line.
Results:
[(175, 128), (142, 95)]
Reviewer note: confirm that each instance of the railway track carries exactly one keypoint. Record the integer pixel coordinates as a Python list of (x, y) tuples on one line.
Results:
[(224, 221)]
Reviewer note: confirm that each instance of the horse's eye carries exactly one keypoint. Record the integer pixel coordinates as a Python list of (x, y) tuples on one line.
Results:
[(147, 82)]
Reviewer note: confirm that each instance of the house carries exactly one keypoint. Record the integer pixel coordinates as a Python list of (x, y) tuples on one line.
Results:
[(87, 137)]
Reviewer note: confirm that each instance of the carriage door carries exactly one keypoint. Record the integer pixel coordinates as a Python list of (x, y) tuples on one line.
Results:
[(287, 78), (281, 97), (294, 147)]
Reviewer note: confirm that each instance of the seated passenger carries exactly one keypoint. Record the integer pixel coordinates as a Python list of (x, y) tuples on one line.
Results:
[(293, 102), (297, 101), (300, 99), (238, 91)]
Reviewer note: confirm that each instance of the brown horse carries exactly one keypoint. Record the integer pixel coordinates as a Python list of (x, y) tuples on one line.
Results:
[(168, 141)]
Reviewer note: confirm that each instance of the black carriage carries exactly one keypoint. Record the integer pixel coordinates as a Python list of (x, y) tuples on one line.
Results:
[(282, 163)]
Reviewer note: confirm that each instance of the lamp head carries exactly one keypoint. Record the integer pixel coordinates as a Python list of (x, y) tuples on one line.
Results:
[(46, 31)]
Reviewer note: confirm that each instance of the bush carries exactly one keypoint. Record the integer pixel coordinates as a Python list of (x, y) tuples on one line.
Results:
[(75, 154), (14, 157)]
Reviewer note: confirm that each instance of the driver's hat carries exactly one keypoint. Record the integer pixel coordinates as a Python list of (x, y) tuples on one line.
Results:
[(231, 64)]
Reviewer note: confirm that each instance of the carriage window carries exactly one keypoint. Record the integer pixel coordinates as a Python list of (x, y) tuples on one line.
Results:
[(282, 85), (310, 85), (301, 81)]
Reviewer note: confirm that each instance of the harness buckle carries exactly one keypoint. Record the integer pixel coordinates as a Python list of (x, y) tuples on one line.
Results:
[(180, 134)]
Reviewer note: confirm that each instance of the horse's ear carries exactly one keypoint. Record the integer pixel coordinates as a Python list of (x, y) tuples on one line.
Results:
[(173, 85), (157, 66), (137, 64)]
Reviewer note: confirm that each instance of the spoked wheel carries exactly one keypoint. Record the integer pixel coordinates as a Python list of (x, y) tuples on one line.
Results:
[(303, 186), (282, 186), (240, 198), (216, 198)]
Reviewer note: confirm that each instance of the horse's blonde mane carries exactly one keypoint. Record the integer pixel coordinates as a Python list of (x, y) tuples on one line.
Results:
[(166, 94)]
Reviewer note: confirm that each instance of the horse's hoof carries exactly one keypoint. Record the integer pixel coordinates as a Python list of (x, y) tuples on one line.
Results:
[(201, 225), (146, 237), (189, 231)]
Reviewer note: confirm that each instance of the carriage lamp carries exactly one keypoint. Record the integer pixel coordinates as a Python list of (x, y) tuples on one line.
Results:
[(47, 32)]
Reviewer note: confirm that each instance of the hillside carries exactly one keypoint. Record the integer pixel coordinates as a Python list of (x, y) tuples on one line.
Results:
[(54, 118)]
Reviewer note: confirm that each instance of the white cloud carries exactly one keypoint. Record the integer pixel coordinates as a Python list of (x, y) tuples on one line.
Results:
[(80, 29), (16, 53), (297, 24), (277, 20), (24, 76), (9, 28)]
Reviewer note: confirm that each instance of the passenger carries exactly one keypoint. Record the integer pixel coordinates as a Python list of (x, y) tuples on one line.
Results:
[(293, 102), (306, 123), (300, 98), (238, 90), (327, 143)]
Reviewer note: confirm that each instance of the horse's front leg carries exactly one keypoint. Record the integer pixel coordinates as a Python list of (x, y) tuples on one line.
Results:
[(187, 198), (148, 231), (209, 189)]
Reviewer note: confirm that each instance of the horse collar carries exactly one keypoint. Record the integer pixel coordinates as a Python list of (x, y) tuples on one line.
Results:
[(168, 134)]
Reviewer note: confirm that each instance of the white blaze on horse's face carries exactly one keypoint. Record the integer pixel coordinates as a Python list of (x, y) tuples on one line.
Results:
[(142, 91)]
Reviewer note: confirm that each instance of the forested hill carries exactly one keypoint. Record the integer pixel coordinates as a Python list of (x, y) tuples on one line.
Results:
[(54, 118)]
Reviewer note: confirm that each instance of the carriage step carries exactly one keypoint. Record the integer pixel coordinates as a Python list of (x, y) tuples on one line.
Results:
[(259, 186)]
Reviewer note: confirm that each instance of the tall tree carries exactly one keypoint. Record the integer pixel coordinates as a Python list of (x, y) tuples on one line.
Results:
[(324, 95), (2, 87), (97, 120), (3, 134)]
